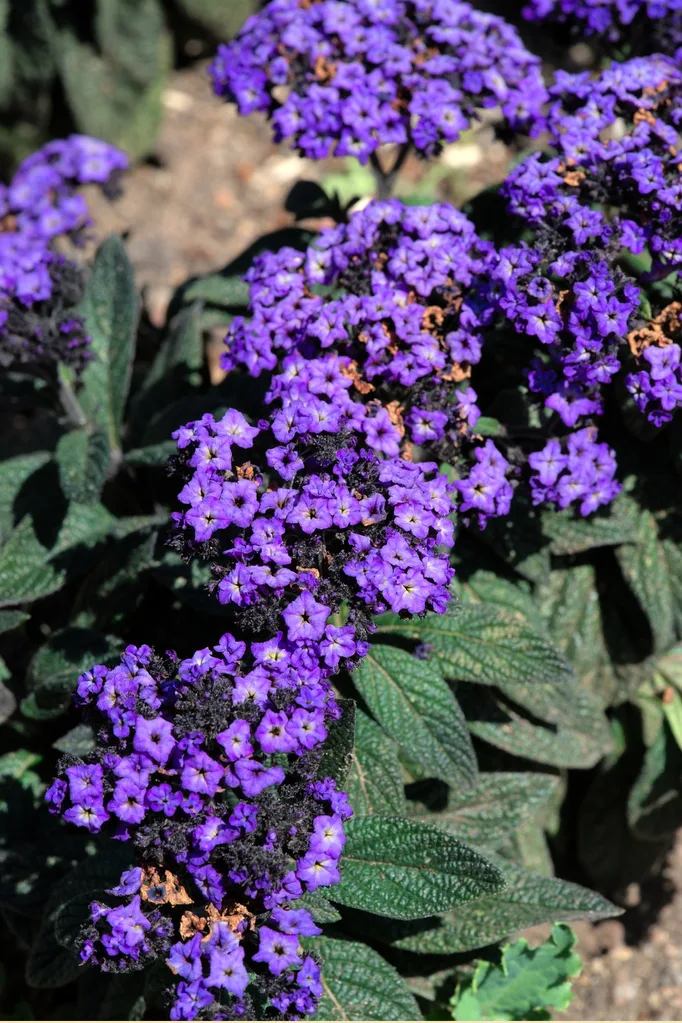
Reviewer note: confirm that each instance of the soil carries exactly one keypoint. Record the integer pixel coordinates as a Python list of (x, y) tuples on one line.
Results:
[(216, 183)]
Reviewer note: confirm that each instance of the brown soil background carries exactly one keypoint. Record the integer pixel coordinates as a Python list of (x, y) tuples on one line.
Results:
[(215, 184)]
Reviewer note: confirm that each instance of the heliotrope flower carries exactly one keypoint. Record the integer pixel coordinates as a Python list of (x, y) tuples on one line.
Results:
[(326, 515), (39, 287), (347, 77), (229, 823)]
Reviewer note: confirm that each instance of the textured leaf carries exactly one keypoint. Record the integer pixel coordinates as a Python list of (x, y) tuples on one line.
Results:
[(83, 460), (13, 475), (359, 984), (222, 20), (494, 719), (8, 701), (178, 367), (111, 310), (338, 748), (645, 568), (486, 587), (672, 550), (404, 870), (525, 984), (497, 806), (12, 620), (519, 539), (571, 605), (655, 802), (529, 899), (414, 705), (54, 669), (570, 533), (79, 741), (217, 289), (319, 907), (153, 454), (374, 783), (482, 643), (118, 583), (114, 90)]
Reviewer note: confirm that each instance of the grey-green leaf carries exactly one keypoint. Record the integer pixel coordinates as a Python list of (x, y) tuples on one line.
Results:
[(415, 706), (645, 568), (374, 783), (359, 984), (404, 870), (111, 309), (528, 900)]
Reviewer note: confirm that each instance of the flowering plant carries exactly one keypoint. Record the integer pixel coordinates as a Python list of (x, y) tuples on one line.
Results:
[(422, 537)]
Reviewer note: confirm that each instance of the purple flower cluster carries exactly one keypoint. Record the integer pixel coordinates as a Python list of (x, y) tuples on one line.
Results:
[(486, 492), (397, 297), (580, 309), (651, 25), (614, 186), (348, 77), (584, 472), (335, 523), (209, 767), (39, 286)]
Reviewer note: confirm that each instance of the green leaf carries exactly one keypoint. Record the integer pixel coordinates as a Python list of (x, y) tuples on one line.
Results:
[(572, 608), (12, 620), (83, 460), (498, 805), (54, 669), (79, 741), (483, 586), (519, 539), (581, 743), (216, 289), (359, 984), (528, 899), (118, 583), (526, 983), (14, 472), (153, 454), (114, 88), (177, 369), (111, 309), (414, 705), (374, 783), (481, 643), (655, 803), (222, 20), (338, 748), (405, 870), (52, 961), (319, 907), (570, 533), (645, 568)]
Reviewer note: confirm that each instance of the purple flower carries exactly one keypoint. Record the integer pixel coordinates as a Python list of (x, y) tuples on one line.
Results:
[(201, 774), (154, 738), (305, 618), (278, 951), (227, 971)]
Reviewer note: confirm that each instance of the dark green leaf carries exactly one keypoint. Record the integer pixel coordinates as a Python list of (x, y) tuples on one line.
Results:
[(338, 749), (519, 539), (308, 199), (83, 460), (359, 984), (111, 310), (154, 454), (570, 533), (413, 704), (54, 669), (14, 472), (481, 643), (498, 805), (529, 899), (374, 783), (219, 290), (645, 568), (118, 583), (79, 741), (579, 744), (320, 908), (655, 802), (222, 20), (12, 620), (405, 870)]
